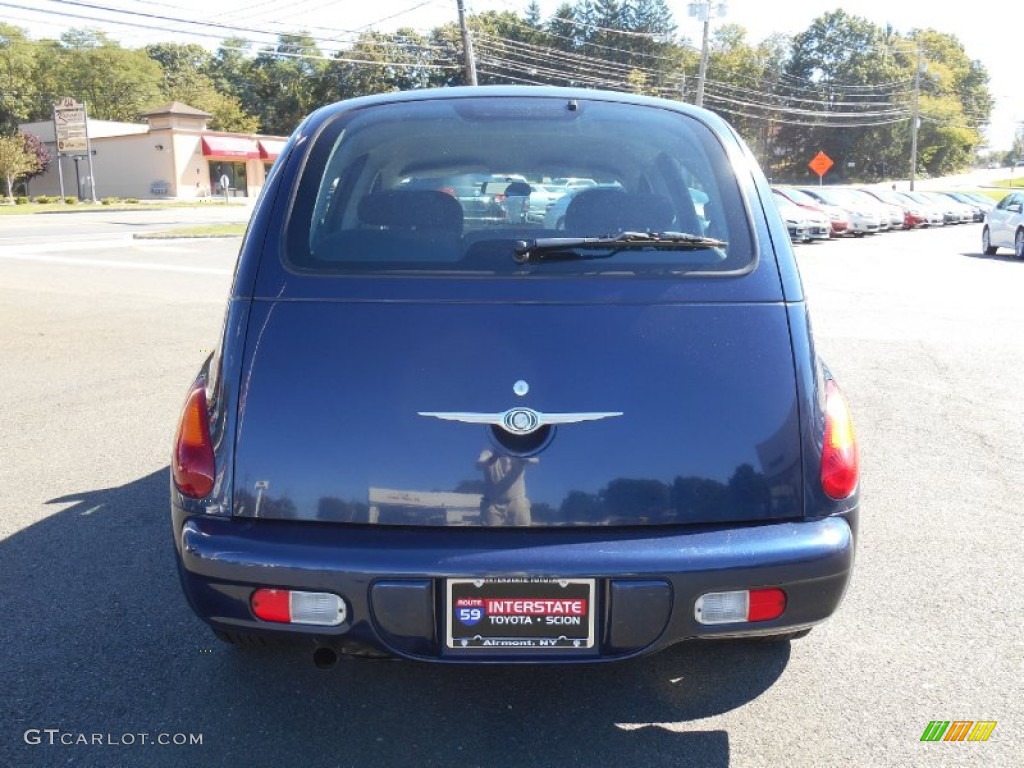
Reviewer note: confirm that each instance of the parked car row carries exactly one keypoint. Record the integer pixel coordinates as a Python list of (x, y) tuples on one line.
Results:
[(859, 212), (810, 213)]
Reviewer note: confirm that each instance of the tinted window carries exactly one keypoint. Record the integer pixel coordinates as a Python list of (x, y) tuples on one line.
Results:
[(452, 185)]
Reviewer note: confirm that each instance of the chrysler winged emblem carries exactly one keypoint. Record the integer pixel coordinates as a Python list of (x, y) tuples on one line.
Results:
[(520, 421)]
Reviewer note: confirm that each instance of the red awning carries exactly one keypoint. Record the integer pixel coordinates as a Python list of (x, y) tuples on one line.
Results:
[(270, 149), (229, 146)]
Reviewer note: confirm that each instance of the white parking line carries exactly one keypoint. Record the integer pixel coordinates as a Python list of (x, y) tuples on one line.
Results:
[(48, 243), (148, 266)]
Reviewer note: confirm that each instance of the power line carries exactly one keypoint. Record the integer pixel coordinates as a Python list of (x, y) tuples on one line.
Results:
[(788, 99), (900, 113), (220, 37)]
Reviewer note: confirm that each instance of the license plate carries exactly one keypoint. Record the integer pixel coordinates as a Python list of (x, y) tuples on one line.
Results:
[(499, 614)]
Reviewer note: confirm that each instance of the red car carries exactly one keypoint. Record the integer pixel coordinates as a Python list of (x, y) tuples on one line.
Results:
[(912, 216)]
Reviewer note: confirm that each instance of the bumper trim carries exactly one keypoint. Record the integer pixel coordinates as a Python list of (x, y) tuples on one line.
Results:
[(222, 560)]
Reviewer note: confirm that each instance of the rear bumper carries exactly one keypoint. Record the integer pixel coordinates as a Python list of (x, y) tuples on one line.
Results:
[(861, 224), (392, 579)]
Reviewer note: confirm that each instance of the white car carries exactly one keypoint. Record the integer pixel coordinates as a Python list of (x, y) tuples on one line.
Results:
[(869, 202), (554, 217), (839, 220), (953, 212), (896, 210), (542, 198), (864, 218), (796, 220), (572, 183), (814, 225), (1004, 226)]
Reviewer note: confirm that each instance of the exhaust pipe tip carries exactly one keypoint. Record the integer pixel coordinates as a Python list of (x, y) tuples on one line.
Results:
[(324, 658)]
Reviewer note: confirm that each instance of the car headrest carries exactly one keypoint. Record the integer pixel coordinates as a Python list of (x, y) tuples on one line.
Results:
[(518, 189), (594, 212), (412, 209)]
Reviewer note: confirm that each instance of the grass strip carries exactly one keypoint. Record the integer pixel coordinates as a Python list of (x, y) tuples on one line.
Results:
[(202, 230)]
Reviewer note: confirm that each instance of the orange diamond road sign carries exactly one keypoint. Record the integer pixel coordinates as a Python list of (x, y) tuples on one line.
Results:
[(820, 164)]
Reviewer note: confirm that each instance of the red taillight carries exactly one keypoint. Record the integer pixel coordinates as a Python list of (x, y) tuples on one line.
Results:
[(272, 605), (840, 465), (766, 604), (740, 606), (193, 469)]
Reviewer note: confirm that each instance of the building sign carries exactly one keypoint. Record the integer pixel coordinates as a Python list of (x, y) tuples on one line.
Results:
[(71, 127)]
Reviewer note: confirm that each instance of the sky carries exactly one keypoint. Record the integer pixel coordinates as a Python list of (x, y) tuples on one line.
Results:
[(995, 44)]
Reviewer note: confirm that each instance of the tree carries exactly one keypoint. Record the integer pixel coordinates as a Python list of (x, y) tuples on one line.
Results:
[(955, 102), (186, 79), (36, 148), (566, 27), (844, 83), (117, 83), (17, 85), (231, 71), (287, 80), (379, 62), (16, 161), (741, 74), (849, 88)]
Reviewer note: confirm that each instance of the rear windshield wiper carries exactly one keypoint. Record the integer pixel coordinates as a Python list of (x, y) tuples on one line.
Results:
[(564, 248)]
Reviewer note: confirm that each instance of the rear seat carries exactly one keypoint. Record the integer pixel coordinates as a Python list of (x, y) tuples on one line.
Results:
[(400, 225), (597, 212)]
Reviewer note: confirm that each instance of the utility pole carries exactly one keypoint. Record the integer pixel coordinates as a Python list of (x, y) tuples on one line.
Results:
[(702, 10), (917, 118), (467, 45)]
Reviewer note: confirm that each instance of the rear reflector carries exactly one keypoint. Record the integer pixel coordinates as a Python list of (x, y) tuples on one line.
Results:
[(272, 605), (286, 606), (740, 606), (193, 468), (766, 604), (840, 464)]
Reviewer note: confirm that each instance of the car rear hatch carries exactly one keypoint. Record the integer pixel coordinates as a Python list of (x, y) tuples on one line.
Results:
[(405, 365), (364, 411)]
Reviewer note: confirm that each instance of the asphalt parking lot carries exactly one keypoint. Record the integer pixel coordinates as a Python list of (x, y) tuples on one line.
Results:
[(100, 335)]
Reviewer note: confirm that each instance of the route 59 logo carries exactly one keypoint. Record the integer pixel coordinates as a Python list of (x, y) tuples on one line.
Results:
[(469, 610)]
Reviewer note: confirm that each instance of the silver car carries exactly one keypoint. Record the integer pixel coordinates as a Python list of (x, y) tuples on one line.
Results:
[(864, 219), (1004, 226)]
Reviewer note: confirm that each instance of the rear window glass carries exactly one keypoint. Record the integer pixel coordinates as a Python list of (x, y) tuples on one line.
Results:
[(507, 186)]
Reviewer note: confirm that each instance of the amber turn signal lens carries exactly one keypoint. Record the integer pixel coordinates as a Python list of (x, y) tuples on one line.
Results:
[(193, 468)]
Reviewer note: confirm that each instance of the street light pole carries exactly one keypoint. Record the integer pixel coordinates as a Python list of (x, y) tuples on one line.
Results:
[(702, 10)]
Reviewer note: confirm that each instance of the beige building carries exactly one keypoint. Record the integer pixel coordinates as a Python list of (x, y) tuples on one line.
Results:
[(172, 155)]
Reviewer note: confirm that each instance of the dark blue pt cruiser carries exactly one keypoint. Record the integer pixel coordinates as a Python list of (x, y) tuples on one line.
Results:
[(517, 375)]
